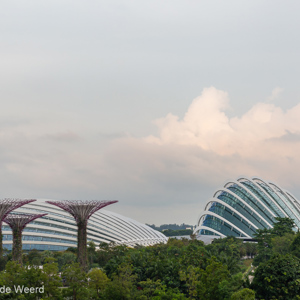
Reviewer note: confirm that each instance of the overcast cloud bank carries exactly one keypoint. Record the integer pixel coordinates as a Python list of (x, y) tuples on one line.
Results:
[(158, 178)]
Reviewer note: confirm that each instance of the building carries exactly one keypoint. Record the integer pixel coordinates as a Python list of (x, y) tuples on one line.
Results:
[(245, 205), (58, 230)]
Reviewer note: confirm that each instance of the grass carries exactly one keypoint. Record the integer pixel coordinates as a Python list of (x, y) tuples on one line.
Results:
[(247, 262)]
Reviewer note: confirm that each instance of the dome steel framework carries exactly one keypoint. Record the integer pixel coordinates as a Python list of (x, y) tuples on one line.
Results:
[(245, 205)]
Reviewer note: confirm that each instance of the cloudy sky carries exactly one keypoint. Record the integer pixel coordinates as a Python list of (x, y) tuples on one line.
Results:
[(154, 103)]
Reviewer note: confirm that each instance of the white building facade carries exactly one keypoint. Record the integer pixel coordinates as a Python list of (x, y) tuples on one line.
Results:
[(57, 230)]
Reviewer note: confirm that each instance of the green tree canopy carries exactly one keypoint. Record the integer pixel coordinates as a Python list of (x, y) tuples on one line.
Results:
[(283, 226), (278, 278)]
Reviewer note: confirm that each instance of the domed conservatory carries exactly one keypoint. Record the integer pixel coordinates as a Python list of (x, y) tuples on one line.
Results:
[(245, 205), (57, 230)]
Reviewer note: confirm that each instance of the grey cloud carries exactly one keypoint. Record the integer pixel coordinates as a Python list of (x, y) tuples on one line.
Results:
[(289, 137), (62, 137), (76, 77), (113, 135)]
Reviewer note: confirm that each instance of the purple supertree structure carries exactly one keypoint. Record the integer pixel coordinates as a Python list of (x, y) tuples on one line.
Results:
[(6, 206), (82, 211), (17, 222)]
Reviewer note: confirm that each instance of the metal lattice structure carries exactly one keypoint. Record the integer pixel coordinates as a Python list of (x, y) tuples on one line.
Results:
[(17, 222), (6, 206), (243, 206), (82, 210)]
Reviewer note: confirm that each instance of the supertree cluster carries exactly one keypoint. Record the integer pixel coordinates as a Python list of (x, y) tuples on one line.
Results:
[(82, 211)]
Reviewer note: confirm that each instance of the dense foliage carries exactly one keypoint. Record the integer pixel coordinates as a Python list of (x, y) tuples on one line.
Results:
[(180, 232), (180, 269), (170, 226), (278, 278)]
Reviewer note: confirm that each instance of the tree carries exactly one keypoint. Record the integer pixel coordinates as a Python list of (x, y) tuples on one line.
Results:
[(13, 275), (278, 278), (275, 240), (295, 246), (264, 247), (168, 294), (64, 258), (32, 278), (283, 226), (251, 249), (211, 277), (50, 279), (34, 256), (244, 294), (192, 279), (92, 254), (122, 286), (149, 287), (282, 244), (98, 281), (228, 246), (17, 277), (230, 286), (155, 290), (45, 255), (170, 232), (110, 251), (76, 281)]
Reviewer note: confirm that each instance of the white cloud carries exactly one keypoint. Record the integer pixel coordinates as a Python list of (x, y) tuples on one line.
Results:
[(275, 93), (206, 126), (55, 157), (203, 120)]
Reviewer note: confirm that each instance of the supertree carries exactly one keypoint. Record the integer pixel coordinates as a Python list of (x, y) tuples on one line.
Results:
[(17, 223), (6, 206), (82, 211)]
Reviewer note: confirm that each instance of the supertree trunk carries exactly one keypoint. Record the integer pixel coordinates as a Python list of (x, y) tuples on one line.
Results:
[(82, 253), (17, 246)]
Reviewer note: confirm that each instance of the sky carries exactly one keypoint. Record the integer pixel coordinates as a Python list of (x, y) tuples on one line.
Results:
[(154, 103)]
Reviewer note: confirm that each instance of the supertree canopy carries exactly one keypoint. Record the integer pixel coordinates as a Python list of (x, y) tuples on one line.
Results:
[(6, 206), (17, 222), (81, 211)]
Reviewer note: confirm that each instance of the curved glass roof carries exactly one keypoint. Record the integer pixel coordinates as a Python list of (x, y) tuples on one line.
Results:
[(245, 205)]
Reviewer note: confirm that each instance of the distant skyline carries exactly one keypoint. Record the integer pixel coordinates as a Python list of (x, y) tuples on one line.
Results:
[(155, 104)]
